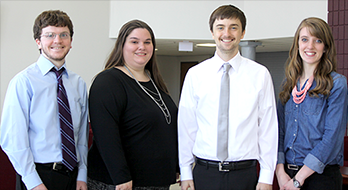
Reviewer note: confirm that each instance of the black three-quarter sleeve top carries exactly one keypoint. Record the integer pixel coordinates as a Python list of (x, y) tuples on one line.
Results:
[(131, 138)]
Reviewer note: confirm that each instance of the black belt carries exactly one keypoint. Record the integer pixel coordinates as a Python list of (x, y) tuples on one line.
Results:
[(296, 167), (227, 166), (56, 166)]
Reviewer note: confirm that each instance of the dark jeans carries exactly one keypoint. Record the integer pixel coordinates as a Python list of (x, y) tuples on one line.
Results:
[(210, 178), (331, 179), (53, 180)]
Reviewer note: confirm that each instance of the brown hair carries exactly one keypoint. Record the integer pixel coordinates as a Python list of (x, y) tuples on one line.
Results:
[(294, 65), (227, 11), (116, 56), (52, 18)]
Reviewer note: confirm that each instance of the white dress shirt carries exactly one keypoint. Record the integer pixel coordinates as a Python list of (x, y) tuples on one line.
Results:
[(30, 130), (253, 130)]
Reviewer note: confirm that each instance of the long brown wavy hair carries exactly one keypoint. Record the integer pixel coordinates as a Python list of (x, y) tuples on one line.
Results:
[(116, 56), (294, 64)]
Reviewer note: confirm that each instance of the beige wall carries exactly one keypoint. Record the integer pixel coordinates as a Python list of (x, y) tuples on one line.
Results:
[(91, 42), (90, 47), (189, 19)]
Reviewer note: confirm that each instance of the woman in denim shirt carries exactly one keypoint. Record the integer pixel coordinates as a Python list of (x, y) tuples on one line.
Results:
[(312, 111)]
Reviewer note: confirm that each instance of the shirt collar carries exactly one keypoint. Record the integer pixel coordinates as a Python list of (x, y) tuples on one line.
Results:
[(46, 65), (234, 62)]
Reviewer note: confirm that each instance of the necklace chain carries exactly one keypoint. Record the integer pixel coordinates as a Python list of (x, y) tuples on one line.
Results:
[(160, 103)]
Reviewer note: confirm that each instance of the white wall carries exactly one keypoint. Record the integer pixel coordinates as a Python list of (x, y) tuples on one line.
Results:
[(189, 19), (278, 19), (90, 47), (94, 21)]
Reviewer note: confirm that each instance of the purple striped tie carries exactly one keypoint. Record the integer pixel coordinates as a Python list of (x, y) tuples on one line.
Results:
[(66, 127)]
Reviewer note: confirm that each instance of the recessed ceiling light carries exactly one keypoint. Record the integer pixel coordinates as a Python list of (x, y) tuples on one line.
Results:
[(206, 45)]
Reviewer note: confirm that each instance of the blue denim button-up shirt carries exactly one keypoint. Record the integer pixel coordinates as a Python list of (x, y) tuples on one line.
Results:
[(312, 133)]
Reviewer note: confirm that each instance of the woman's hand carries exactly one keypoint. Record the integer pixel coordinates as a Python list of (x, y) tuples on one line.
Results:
[(289, 186), (282, 177), (125, 186)]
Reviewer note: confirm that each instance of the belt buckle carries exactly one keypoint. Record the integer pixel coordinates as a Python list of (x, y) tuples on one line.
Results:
[(222, 164), (57, 166), (293, 167)]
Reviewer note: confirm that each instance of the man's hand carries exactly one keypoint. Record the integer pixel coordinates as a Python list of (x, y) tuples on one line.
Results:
[(81, 185), (40, 187), (263, 186), (185, 185), (125, 186)]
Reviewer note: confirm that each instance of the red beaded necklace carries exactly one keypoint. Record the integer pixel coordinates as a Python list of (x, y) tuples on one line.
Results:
[(299, 96)]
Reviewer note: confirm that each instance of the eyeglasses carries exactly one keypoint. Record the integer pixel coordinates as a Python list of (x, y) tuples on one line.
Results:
[(51, 35)]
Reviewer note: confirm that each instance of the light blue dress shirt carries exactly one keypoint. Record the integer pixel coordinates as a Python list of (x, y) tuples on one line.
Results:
[(312, 133), (30, 131)]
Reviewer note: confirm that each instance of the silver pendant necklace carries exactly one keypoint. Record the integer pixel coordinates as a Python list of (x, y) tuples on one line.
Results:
[(160, 103)]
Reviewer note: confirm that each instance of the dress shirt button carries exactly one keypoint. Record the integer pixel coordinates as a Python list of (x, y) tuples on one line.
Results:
[(294, 135), (296, 105), (295, 120)]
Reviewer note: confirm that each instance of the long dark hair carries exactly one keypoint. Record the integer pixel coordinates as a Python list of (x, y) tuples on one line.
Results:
[(294, 64), (116, 56)]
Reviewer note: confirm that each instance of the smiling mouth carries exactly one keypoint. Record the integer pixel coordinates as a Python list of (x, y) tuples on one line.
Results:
[(224, 40), (310, 53), (140, 53), (57, 47)]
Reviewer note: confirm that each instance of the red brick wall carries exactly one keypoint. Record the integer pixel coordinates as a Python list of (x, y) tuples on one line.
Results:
[(338, 21)]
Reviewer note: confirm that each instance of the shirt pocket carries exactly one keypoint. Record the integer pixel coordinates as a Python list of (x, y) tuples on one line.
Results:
[(312, 105)]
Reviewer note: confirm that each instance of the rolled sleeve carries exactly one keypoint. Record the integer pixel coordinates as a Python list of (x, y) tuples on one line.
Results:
[(281, 158), (314, 163)]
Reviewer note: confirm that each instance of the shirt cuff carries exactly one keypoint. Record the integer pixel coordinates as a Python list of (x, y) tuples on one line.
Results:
[(82, 175), (281, 158), (266, 176), (186, 173), (32, 180), (313, 163)]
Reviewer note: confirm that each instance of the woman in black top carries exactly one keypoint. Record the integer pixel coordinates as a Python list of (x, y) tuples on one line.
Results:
[(133, 118)]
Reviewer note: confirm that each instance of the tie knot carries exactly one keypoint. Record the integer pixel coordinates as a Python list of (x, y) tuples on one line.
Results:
[(58, 73), (227, 67)]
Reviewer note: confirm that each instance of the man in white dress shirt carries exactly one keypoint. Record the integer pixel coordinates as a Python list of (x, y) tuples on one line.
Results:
[(252, 119)]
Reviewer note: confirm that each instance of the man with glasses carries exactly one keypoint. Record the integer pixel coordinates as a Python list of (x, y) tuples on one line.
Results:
[(44, 128)]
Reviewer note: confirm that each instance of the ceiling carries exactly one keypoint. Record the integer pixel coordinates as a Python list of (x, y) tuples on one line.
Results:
[(171, 47)]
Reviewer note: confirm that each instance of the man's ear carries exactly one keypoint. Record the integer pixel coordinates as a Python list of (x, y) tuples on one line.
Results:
[(38, 43)]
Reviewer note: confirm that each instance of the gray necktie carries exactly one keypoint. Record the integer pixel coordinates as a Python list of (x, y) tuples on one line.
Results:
[(222, 144)]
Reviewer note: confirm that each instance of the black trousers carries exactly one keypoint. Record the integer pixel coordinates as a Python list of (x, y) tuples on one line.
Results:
[(52, 179), (331, 179), (210, 178)]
